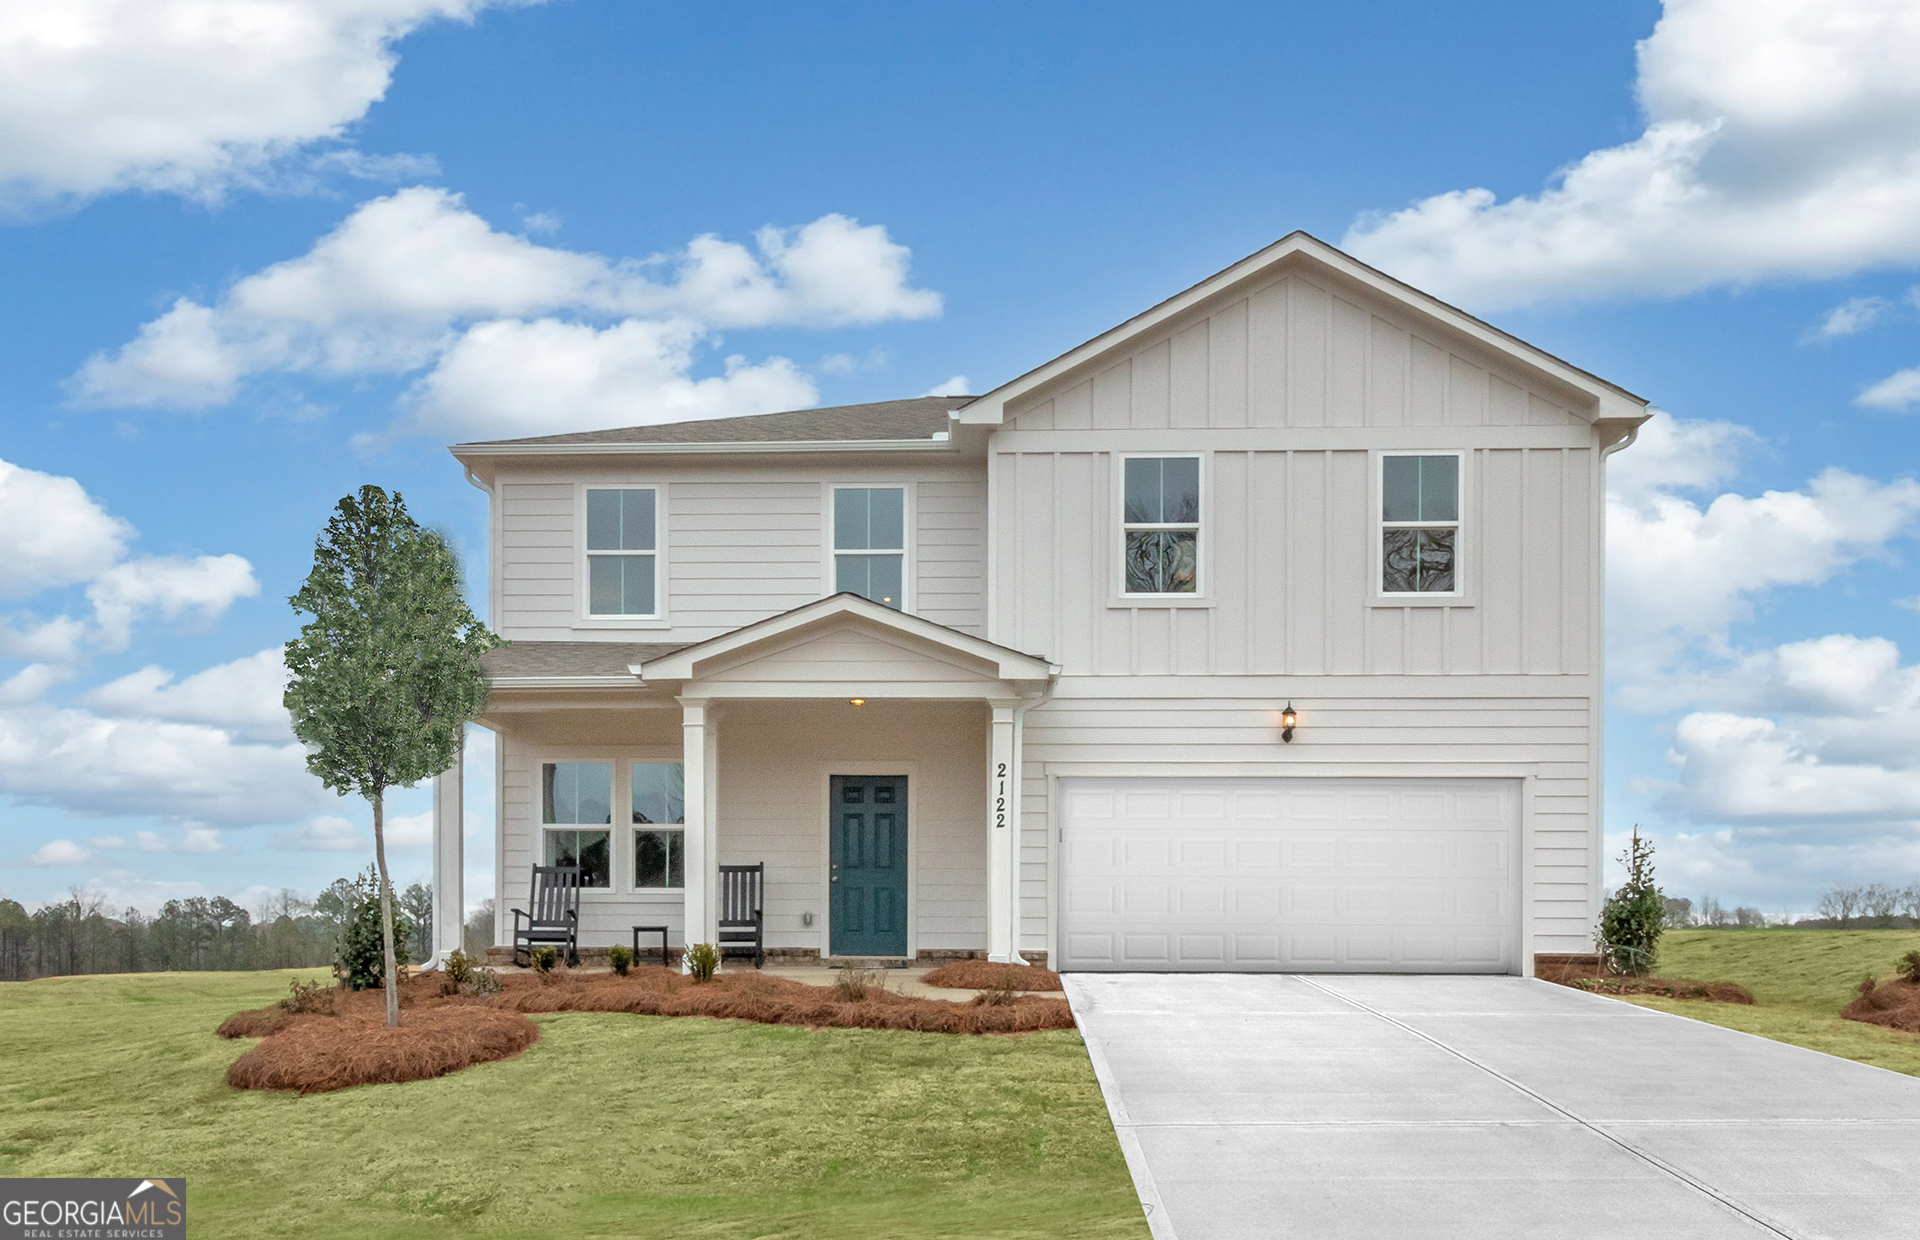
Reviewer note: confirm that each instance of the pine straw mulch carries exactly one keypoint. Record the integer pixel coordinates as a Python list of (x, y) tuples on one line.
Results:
[(986, 975), (1600, 982), (342, 1038), (1895, 1005)]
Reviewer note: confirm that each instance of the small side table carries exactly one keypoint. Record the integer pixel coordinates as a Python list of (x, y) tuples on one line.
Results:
[(659, 930)]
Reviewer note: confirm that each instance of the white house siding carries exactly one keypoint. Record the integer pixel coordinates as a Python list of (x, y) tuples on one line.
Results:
[(1287, 392), (744, 541), (774, 758)]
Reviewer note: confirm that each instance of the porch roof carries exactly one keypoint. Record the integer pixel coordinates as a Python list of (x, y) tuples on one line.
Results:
[(544, 662)]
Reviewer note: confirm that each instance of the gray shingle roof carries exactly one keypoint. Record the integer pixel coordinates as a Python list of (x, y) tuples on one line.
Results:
[(572, 658), (918, 418)]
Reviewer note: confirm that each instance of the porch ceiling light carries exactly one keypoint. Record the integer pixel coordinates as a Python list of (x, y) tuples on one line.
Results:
[(856, 701), (1288, 718)]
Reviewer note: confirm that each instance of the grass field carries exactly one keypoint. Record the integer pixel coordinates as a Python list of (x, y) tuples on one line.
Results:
[(611, 1125), (1800, 980)]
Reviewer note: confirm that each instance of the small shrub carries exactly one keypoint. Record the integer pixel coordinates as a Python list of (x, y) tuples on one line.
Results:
[(465, 975), (484, 982), (1634, 916), (1909, 967), (702, 960), (855, 984), (1001, 993), (308, 997), (543, 959), (1865, 987), (621, 958), (360, 959)]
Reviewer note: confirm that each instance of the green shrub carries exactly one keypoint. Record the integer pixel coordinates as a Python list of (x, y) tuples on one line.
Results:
[(305, 997), (702, 960), (465, 975), (621, 958), (1634, 916), (1909, 967), (544, 958), (360, 958)]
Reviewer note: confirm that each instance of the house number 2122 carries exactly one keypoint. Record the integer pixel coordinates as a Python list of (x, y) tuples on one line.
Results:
[(1000, 797)]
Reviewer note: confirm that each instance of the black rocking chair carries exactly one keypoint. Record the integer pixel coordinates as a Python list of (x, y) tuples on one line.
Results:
[(743, 923), (555, 920)]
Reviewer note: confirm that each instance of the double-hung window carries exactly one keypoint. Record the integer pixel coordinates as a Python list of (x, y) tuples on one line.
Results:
[(1420, 524), (622, 552), (659, 798), (576, 818), (1160, 525), (870, 543)]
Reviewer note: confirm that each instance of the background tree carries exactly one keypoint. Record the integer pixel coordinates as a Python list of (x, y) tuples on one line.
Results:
[(385, 676)]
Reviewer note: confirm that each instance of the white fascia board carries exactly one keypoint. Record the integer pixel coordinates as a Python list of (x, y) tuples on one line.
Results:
[(1010, 664), (1610, 399), (565, 682), (940, 442)]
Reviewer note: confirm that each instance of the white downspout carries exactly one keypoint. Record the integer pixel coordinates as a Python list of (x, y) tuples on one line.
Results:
[(1019, 825)]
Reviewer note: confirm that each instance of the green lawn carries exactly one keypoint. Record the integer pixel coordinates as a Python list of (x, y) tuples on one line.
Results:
[(611, 1125), (1800, 980)]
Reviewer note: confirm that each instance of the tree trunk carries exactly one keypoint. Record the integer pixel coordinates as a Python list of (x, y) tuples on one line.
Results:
[(386, 908)]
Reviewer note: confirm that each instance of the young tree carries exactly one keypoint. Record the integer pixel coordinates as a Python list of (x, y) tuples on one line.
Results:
[(1631, 921), (384, 678)]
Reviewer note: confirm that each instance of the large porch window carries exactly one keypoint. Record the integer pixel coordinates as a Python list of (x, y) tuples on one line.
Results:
[(659, 852), (575, 799)]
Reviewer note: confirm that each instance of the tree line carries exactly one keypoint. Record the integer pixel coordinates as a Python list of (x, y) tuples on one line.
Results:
[(81, 935), (1842, 906)]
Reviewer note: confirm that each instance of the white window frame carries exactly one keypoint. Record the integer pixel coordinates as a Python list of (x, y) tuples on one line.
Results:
[(620, 845), (1459, 596), (631, 885), (585, 618), (1202, 567), (908, 532), (541, 827)]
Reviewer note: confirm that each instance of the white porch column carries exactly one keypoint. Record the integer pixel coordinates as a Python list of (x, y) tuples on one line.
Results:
[(1002, 856), (449, 860), (697, 759)]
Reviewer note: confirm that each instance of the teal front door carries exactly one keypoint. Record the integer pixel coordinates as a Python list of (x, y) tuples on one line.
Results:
[(867, 866)]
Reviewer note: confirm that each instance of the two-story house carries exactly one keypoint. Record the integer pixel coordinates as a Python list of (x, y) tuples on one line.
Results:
[(1262, 632)]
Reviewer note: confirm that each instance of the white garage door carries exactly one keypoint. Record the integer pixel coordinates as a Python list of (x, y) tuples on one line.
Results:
[(1290, 875)]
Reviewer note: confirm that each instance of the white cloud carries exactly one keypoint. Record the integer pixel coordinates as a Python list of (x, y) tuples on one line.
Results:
[(52, 533), (1853, 315), (324, 833), (89, 764), (59, 852), (31, 683), (1680, 574), (107, 843), (956, 386), (410, 830), (242, 696), (174, 588), (414, 282), (1782, 139), (190, 96), (1897, 393)]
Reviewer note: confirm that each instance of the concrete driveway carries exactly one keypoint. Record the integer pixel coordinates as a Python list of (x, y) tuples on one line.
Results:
[(1485, 1107)]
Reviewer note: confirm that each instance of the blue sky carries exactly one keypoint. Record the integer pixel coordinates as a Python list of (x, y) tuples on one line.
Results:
[(247, 267)]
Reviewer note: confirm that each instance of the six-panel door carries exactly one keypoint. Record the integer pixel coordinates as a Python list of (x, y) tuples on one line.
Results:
[(867, 874)]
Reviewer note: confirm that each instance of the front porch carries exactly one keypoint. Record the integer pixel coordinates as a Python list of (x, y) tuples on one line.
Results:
[(865, 758)]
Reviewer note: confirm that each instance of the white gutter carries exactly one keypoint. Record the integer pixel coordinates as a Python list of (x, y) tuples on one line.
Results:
[(940, 441)]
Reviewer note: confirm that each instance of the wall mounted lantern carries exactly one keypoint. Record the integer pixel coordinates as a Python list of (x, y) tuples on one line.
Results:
[(1288, 718)]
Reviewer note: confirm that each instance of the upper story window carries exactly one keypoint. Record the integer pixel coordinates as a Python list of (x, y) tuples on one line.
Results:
[(870, 543), (622, 552), (576, 818), (1160, 525), (1420, 524)]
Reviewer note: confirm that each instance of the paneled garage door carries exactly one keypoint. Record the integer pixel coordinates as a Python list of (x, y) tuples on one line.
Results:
[(1290, 875)]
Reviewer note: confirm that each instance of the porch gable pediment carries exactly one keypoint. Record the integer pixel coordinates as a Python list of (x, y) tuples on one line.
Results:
[(848, 646)]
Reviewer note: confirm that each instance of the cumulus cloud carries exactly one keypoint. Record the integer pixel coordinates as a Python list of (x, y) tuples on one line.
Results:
[(52, 533), (193, 96), (174, 588), (508, 335), (242, 696), (1681, 573), (58, 852), (956, 386), (1782, 139), (1854, 315), (324, 833)]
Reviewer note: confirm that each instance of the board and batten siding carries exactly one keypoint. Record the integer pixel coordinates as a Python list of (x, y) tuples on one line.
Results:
[(740, 545), (1288, 393)]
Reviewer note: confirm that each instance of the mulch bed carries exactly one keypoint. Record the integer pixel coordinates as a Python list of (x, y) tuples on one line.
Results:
[(1596, 980), (343, 1038), (1896, 1005), (986, 975)]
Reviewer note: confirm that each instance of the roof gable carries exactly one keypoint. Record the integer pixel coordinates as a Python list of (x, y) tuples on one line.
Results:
[(1298, 252)]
